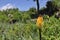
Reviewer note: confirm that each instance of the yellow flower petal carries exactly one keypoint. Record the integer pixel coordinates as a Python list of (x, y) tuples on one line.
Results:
[(39, 21)]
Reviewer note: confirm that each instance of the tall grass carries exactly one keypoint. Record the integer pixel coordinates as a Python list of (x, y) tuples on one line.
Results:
[(29, 30)]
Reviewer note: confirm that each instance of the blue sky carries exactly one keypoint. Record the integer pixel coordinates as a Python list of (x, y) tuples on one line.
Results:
[(23, 5)]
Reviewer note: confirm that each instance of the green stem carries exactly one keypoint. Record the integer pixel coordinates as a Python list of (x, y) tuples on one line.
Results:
[(40, 33)]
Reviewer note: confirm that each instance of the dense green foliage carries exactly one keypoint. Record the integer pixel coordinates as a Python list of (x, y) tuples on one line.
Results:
[(9, 14), (57, 2), (25, 28), (29, 30)]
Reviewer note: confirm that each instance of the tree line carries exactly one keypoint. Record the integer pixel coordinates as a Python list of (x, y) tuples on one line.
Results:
[(17, 15)]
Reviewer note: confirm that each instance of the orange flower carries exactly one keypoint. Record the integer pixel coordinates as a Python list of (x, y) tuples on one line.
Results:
[(39, 21)]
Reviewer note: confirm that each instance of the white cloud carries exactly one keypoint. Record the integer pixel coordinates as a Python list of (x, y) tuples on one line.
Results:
[(7, 6)]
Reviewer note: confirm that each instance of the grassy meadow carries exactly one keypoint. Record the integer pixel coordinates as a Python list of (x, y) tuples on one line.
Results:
[(29, 31), (25, 27)]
